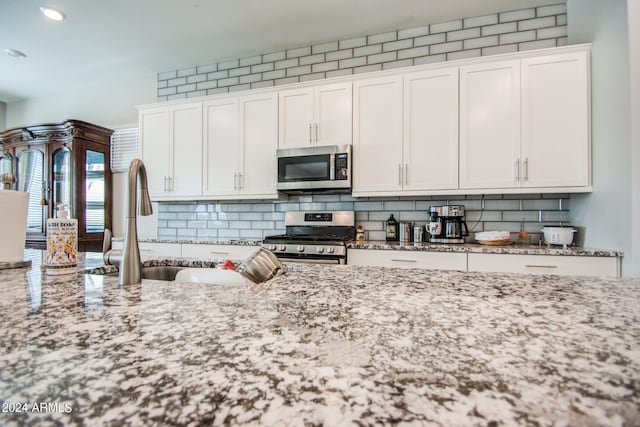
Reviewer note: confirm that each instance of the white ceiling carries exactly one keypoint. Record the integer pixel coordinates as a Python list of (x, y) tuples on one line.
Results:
[(102, 41)]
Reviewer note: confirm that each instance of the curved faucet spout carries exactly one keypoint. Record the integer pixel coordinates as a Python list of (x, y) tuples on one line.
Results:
[(130, 264)]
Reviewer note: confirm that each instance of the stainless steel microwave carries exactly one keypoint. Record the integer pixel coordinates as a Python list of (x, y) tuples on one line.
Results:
[(315, 168)]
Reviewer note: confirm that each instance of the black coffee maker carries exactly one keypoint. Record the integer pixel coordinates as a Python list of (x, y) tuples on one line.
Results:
[(447, 223)]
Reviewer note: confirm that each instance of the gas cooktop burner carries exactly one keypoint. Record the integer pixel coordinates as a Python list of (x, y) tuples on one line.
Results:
[(314, 236)]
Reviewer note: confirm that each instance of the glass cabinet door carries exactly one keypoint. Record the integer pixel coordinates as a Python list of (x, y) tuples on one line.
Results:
[(6, 164), (30, 178), (62, 178), (95, 191)]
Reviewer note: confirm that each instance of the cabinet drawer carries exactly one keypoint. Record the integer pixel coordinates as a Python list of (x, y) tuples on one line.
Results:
[(408, 259), (148, 249), (233, 252), (545, 264)]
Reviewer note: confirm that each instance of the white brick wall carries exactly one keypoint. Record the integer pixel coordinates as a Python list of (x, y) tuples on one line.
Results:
[(509, 31), (256, 220)]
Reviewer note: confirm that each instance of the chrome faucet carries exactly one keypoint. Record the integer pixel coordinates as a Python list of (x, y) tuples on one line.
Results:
[(129, 259)]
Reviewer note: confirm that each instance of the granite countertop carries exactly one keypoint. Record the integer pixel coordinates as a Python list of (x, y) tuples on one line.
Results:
[(235, 242), (515, 249), (322, 345)]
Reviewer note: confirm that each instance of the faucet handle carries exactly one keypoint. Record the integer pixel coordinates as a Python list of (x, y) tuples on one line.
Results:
[(106, 242)]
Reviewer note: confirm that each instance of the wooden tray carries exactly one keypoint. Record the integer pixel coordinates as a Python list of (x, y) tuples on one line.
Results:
[(499, 242)]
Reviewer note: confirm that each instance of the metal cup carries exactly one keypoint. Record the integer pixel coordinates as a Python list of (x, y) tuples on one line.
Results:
[(261, 266), (418, 233)]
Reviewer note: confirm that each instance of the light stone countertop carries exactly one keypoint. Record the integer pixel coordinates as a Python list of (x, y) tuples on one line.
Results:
[(515, 249), (322, 345), (429, 247)]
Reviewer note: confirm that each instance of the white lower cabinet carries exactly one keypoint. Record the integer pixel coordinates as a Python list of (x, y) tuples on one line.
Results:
[(232, 252), (408, 259), (150, 249), (545, 264)]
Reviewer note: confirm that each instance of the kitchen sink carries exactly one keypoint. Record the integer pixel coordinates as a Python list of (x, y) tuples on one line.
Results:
[(157, 272), (160, 272)]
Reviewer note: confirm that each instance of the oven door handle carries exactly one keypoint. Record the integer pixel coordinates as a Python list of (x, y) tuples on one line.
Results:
[(312, 260)]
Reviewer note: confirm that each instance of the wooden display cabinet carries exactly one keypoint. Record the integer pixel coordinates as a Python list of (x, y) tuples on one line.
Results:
[(67, 163)]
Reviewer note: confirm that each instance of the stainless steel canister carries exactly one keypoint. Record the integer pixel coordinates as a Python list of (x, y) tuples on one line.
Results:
[(418, 233), (261, 266), (405, 232)]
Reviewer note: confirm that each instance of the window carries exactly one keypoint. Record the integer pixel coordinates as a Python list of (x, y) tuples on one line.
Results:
[(124, 148)]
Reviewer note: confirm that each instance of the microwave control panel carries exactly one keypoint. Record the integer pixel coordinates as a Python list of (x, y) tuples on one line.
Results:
[(342, 166)]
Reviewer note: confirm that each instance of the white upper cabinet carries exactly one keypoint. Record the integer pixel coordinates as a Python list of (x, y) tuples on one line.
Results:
[(524, 124), (221, 140), (241, 138), (406, 134), (259, 141), (555, 121), (171, 141), (186, 156), (320, 115), (153, 131), (490, 125), (377, 136), (430, 149)]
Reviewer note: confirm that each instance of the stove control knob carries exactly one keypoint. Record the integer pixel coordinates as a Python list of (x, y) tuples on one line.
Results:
[(320, 249), (330, 250), (283, 248), (273, 247), (300, 248)]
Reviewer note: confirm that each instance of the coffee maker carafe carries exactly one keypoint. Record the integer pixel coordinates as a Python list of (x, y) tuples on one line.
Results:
[(447, 224)]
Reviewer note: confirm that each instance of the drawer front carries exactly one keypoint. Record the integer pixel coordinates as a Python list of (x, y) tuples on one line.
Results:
[(408, 259), (159, 249), (233, 252), (545, 264)]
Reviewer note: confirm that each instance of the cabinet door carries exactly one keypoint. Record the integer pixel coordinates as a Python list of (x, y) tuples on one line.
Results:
[(430, 149), (377, 136), (296, 118), (555, 120), (217, 251), (490, 125), (221, 146), (186, 160), (545, 264), (408, 259), (259, 141), (155, 148), (333, 114)]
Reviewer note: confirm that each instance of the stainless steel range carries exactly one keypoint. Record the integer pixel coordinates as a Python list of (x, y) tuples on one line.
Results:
[(319, 237)]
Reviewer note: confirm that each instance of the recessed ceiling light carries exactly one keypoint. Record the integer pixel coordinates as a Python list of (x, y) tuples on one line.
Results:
[(15, 53), (52, 13)]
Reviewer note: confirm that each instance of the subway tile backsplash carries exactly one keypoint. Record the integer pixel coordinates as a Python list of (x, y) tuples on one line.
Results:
[(258, 219), (509, 31)]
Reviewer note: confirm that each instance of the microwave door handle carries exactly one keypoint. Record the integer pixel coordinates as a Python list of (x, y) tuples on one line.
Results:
[(332, 167)]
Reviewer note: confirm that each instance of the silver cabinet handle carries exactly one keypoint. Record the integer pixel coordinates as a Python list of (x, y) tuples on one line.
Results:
[(239, 180), (218, 253), (316, 133), (399, 174), (406, 174), (235, 181), (403, 260), (165, 183), (525, 166), (540, 266), (517, 166), (170, 184), (310, 136)]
